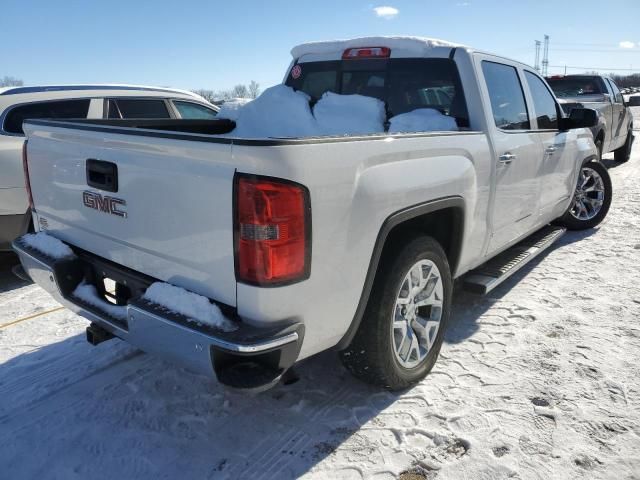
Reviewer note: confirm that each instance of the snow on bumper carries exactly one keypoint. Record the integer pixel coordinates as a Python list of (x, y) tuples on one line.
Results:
[(158, 330)]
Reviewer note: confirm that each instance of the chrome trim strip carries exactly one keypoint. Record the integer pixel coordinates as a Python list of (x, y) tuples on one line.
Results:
[(218, 342)]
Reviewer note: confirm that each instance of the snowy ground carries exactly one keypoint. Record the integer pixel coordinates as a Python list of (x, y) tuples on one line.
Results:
[(541, 379)]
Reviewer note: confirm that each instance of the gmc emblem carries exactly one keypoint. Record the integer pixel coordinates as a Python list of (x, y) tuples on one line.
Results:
[(104, 204)]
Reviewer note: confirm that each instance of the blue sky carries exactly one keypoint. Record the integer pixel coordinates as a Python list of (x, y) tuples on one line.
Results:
[(215, 44)]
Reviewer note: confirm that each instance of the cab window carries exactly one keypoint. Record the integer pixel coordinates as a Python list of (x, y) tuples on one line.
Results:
[(137, 108), (545, 106), (617, 95), (194, 111), (506, 96), (403, 84), (55, 109)]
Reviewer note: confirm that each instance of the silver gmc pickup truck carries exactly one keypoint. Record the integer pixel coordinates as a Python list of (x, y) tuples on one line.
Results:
[(241, 256)]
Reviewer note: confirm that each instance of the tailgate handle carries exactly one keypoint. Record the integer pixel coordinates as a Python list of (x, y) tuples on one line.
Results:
[(102, 175)]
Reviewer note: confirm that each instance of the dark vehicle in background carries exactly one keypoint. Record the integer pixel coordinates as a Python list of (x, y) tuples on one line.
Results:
[(614, 132)]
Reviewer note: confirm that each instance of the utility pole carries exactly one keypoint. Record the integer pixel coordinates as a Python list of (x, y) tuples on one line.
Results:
[(536, 64), (545, 58)]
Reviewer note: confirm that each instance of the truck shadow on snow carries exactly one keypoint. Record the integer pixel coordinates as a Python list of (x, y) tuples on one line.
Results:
[(76, 411), (8, 281)]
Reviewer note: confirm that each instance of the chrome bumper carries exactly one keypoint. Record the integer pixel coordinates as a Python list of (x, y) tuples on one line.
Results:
[(164, 333)]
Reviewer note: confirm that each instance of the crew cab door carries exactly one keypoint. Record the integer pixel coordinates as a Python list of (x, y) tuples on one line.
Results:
[(619, 117), (516, 150), (559, 149)]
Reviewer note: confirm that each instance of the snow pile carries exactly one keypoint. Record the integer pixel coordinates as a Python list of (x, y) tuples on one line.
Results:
[(278, 112), (422, 120), (231, 108), (47, 245), (416, 45), (193, 306), (282, 112), (349, 114), (88, 294)]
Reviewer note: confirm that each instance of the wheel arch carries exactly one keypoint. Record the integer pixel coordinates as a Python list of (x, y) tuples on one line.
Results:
[(443, 219)]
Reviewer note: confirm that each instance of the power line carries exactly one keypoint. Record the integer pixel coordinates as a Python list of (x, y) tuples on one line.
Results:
[(607, 69), (587, 44), (613, 50)]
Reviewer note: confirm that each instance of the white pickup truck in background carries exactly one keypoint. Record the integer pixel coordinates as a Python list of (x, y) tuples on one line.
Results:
[(66, 102), (291, 246)]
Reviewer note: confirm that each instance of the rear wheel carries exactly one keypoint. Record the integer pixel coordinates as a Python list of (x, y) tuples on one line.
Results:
[(401, 333), (623, 153), (591, 198)]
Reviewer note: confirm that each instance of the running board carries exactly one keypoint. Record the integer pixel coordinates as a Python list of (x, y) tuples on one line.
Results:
[(491, 274)]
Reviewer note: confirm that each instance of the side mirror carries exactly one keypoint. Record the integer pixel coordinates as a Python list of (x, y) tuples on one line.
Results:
[(634, 101), (579, 118)]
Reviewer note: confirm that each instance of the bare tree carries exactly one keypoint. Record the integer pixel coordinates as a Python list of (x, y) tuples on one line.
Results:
[(208, 95), (254, 89), (240, 91), (8, 81)]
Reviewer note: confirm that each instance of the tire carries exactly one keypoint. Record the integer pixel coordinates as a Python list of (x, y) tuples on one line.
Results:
[(374, 354), (599, 147), (590, 203), (623, 153)]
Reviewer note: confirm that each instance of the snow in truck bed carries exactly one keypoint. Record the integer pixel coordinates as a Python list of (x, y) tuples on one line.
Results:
[(281, 112)]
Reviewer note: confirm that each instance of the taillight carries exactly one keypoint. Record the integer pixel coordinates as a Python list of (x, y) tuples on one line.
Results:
[(366, 52), (25, 167), (272, 231)]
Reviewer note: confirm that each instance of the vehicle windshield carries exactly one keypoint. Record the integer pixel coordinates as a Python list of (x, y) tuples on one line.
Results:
[(402, 84), (576, 86)]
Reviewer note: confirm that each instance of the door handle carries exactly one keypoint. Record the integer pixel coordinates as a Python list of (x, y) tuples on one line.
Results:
[(550, 150), (506, 158)]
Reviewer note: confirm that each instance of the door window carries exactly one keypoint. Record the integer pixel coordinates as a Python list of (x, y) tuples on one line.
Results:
[(56, 109), (190, 110), (544, 104), (137, 108), (507, 98), (617, 95)]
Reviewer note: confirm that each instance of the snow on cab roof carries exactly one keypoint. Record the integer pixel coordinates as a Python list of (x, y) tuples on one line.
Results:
[(418, 45)]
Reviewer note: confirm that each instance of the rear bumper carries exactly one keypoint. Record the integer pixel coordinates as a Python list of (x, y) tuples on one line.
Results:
[(232, 356)]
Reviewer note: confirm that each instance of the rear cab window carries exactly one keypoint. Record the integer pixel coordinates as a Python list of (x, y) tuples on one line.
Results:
[(576, 86), (57, 109), (403, 84)]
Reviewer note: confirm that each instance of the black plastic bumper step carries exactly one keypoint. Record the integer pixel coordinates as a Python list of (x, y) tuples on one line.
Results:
[(491, 274)]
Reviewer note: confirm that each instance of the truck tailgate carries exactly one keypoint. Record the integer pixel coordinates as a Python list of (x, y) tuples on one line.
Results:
[(170, 216)]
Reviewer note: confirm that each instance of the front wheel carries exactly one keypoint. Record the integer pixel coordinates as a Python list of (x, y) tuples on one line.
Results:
[(591, 198), (623, 153), (399, 338)]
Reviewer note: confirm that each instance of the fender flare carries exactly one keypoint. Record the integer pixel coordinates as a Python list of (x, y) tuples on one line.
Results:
[(388, 225)]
